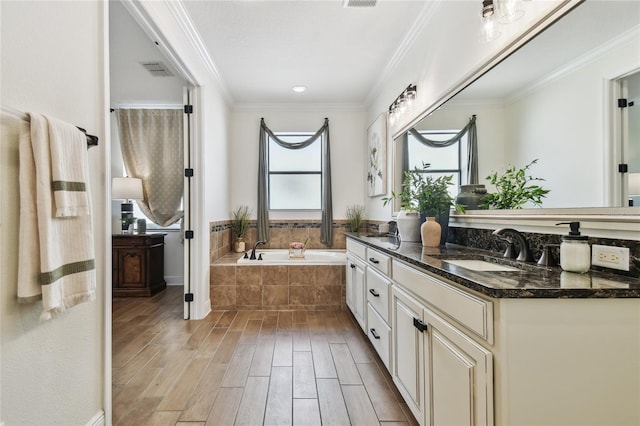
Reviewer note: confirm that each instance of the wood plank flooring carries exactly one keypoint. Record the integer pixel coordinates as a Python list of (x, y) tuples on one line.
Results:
[(245, 368)]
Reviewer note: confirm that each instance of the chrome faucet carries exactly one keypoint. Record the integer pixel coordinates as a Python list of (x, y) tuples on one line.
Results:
[(524, 254), (253, 250)]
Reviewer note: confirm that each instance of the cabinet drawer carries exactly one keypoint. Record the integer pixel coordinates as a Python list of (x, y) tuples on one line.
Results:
[(378, 260), (379, 334), (472, 312), (378, 293), (356, 248)]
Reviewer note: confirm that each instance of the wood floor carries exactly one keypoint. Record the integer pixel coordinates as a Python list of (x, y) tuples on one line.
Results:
[(245, 368)]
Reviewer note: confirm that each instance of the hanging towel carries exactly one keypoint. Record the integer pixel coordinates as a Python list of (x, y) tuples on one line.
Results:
[(69, 169), (56, 260)]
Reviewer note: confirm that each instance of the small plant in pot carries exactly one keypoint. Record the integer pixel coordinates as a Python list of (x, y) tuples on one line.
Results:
[(428, 195), (355, 216), (240, 225), (514, 189)]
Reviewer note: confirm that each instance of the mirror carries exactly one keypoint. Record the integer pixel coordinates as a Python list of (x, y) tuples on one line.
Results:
[(548, 101)]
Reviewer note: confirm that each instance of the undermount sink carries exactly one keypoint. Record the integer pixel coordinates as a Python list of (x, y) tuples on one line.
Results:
[(481, 265)]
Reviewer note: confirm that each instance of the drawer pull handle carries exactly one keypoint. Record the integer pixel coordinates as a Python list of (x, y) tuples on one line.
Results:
[(373, 292), (353, 266), (374, 333), (374, 260), (419, 325)]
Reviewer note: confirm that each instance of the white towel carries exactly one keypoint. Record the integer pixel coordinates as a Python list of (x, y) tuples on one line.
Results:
[(56, 258), (69, 169)]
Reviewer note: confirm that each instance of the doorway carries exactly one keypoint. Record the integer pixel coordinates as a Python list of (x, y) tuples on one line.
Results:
[(142, 77)]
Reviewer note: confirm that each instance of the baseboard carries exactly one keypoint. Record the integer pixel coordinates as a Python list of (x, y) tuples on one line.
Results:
[(97, 419), (174, 279)]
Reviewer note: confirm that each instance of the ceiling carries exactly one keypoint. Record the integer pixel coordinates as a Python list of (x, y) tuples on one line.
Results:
[(263, 48)]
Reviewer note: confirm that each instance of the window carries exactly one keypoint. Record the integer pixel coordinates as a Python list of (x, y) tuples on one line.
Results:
[(443, 161), (295, 175)]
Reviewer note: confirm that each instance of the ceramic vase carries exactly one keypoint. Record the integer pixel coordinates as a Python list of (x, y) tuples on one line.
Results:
[(471, 196), (430, 231), (239, 245), (408, 226)]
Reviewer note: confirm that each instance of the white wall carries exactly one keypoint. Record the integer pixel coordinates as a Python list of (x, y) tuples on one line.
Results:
[(347, 130), (52, 62), (438, 67)]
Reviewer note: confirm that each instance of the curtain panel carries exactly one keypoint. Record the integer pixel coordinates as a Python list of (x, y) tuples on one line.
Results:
[(326, 225), (472, 147), (152, 143)]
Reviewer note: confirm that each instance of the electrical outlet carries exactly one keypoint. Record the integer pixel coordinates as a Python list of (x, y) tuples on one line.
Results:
[(610, 257)]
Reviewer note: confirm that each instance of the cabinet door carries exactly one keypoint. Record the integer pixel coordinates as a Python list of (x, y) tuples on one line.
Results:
[(356, 299), (459, 374), (132, 264), (407, 351)]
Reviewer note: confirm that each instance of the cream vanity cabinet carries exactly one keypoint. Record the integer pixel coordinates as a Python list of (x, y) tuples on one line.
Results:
[(378, 285), (444, 375), (355, 281)]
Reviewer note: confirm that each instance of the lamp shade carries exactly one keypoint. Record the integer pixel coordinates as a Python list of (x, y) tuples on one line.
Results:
[(126, 188), (634, 184)]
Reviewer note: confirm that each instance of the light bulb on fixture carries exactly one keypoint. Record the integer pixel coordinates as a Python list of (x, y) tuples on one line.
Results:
[(402, 104), (490, 29), (410, 95), (509, 11)]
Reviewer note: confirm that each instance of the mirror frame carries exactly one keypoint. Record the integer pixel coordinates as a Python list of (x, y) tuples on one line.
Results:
[(604, 222)]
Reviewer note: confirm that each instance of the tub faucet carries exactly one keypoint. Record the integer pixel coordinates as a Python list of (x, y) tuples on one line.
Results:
[(253, 251), (525, 254)]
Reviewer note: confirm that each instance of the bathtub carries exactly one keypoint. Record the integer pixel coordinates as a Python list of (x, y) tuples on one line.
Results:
[(311, 257)]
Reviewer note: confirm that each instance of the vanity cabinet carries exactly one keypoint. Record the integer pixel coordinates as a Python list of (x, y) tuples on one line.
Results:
[(445, 377), (138, 264), (378, 296), (355, 289)]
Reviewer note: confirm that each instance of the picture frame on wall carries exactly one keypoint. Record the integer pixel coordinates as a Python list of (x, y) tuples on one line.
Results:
[(377, 157)]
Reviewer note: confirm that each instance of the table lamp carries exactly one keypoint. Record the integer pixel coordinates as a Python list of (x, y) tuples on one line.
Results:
[(127, 189)]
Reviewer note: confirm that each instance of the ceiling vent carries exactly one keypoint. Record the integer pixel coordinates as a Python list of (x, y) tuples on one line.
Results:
[(157, 69), (359, 3)]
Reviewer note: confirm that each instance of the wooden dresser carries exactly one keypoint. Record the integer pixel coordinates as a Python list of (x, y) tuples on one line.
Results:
[(138, 264)]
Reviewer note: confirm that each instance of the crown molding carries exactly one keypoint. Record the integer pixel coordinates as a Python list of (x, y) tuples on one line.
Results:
[(297, 106), (423, 17)]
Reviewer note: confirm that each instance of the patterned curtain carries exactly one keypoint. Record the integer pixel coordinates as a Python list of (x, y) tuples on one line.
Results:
[(152, 149)]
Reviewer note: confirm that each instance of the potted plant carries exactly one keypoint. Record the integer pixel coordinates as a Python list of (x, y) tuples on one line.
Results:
[(355, 216), (240, 224), (427, 195), (514, 189)]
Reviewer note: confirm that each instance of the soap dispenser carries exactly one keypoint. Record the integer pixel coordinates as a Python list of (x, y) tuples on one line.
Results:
[(575, 252)]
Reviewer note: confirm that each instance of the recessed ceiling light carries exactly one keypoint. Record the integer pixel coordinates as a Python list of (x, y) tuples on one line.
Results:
[(299, 89)]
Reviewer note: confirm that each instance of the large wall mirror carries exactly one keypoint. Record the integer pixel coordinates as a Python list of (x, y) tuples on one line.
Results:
[(553, 100)]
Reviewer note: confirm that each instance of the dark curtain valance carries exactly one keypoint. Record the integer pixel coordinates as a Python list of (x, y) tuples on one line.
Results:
[(472, 150), (326, 228)]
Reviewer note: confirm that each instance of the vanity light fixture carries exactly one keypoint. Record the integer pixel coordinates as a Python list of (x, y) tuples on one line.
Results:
[(490, 30), (402, 103), (299, 89)]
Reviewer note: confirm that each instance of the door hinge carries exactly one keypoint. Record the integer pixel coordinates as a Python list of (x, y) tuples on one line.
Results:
[(623, 168), (188, 235), (188, 297), (188, 109), (419, 325), (622, 103), (188, 172)]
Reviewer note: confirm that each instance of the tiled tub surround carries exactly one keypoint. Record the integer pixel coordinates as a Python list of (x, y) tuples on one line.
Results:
[(282, 232), (270, 287)]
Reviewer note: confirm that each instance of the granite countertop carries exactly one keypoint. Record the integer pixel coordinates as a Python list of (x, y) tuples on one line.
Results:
[(528, 281)]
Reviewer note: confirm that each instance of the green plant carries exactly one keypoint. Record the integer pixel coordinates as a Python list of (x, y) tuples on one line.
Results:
[(355, 215), (240, 222), (424, 193), (514, 189)]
